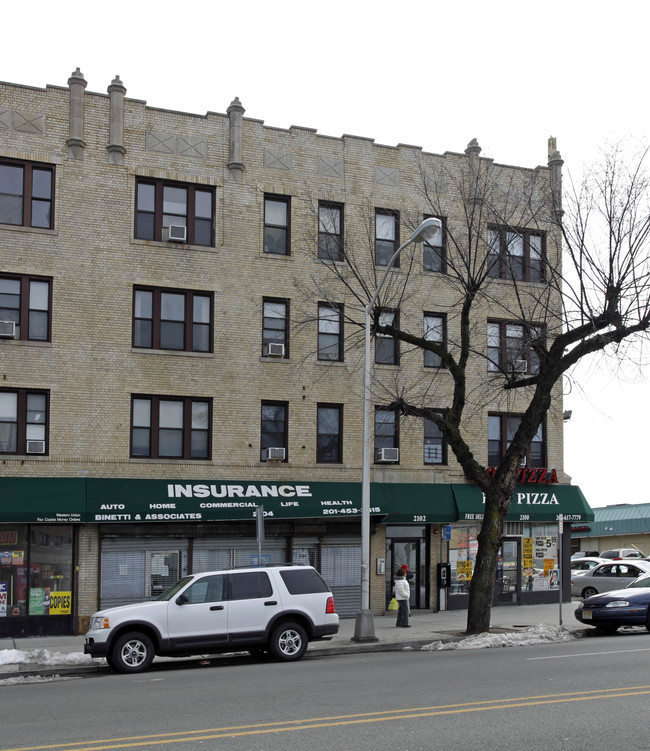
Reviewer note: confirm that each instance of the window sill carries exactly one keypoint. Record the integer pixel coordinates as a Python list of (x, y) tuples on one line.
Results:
[(179, 246), (34, 230), (26, 342), (170, 352)]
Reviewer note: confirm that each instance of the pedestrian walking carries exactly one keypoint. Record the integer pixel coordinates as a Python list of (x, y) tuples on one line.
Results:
[(402, 595)]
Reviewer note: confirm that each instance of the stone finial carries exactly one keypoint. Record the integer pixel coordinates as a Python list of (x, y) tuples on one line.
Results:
[(555, 163), (472, 151), (116, 150), (75, 142), (236, 163)]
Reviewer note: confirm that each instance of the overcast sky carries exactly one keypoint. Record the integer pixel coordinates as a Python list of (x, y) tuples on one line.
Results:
[(508, 73)]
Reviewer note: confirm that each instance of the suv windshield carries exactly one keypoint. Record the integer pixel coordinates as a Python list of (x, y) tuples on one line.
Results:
[(174, 588)]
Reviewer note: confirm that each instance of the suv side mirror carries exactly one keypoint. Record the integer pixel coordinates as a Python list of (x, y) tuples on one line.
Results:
[(182, 599)]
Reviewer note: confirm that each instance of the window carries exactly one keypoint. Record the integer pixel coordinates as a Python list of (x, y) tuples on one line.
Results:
[(249, 585), (23, 421), (516, 254), (509, 347), (170, 427), (275, 328), (160, 205), (435, 446), (501, 431), (172, 319), (434, 257), (386, 429), (277, 213), (329, 441), (330, 332), (330, 231), (386, 236), (434, 331), (274, 428), (26, 194), (387, 346), (26, 300)]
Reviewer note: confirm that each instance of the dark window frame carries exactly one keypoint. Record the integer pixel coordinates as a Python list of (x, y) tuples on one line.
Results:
[(265, 435), (330, 244), (433, 255), (497, 452), (385, 248), (338, 309), (23, 308), (154, 428), (384, 343), (335, 446), (28, 198), (266, 329), (270, 227), (156, 320), (432, 431), (191, 219), (385, 440), (501, 263), (432, 360), (503, 363), (23, 422)]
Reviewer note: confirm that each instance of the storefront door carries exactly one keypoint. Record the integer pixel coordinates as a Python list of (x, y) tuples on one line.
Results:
[(409, 551), (508, 585)]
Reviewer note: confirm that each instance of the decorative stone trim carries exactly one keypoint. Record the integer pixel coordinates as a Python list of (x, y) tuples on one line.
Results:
[(331, 167), (280, 160), (22, 121), (387, 176), (170, 143)]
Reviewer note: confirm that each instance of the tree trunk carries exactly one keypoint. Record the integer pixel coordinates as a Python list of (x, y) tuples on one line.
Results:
[(481, 588)]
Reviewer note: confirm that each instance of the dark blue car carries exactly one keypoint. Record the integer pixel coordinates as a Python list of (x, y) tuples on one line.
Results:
[(621, 607)]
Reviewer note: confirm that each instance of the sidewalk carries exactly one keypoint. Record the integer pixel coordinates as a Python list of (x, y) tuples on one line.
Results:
[(48, 655)]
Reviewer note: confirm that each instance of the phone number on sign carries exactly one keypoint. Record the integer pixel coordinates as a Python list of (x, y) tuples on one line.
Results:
[(338, 511)]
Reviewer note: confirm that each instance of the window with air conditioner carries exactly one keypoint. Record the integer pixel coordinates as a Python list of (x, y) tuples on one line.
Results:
[(174, 212), (275, 327), (25, 307), (273, 435), (386, 434), (23, 421)]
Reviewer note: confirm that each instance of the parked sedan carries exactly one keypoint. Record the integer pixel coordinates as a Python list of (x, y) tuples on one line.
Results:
[(622, 607), (606, 577), (585, 564)]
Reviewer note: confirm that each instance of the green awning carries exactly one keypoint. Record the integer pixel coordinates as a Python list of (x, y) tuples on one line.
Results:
[(57, 500), (535, 503), (415, 502)]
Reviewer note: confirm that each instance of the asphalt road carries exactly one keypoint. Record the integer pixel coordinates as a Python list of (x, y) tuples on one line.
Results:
[(590, 694)]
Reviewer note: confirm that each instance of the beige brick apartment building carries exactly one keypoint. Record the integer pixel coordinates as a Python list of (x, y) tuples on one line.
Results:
[(174, 354)]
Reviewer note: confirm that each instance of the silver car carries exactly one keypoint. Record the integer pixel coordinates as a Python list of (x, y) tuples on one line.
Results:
[(607, 576)]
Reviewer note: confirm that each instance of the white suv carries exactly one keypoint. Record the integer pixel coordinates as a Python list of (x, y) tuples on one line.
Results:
[(275, 609)]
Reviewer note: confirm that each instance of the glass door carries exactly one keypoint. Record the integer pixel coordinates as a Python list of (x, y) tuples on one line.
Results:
[(508, 585)]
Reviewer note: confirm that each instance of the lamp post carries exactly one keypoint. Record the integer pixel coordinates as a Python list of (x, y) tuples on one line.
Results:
[(364, 628)]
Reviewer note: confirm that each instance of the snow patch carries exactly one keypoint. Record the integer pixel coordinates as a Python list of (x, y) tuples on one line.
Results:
[(539, 634)]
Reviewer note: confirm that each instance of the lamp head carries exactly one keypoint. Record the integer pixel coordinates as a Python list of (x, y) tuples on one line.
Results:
[(427, 231)]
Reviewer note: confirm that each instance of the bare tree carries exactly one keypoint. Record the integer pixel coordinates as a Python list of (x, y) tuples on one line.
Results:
[(571, 277)]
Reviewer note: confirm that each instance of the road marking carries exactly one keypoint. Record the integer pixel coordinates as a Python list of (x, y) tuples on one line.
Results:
[(338, 720), (588, 654)]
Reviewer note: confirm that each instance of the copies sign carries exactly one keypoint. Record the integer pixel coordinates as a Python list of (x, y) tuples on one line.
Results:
[(60, 603)]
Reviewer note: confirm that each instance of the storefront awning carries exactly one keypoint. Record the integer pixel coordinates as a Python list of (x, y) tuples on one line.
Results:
[(413, 503), (533, 503)]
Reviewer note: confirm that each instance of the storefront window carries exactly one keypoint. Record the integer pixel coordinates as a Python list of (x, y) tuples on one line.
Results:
[(46, 551), (539, 555)]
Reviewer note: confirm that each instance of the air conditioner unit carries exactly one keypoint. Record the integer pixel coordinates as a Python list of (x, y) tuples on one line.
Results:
[(35, 447), (176, 233), (7, 329), (519, 366), (387, 455), (275, 350), (274, 454)]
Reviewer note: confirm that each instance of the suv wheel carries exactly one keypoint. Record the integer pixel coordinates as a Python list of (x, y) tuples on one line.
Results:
[(288, 642), (132, 653)]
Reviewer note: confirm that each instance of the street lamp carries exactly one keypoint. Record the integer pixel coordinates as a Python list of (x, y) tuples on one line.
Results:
[(364, 628)]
